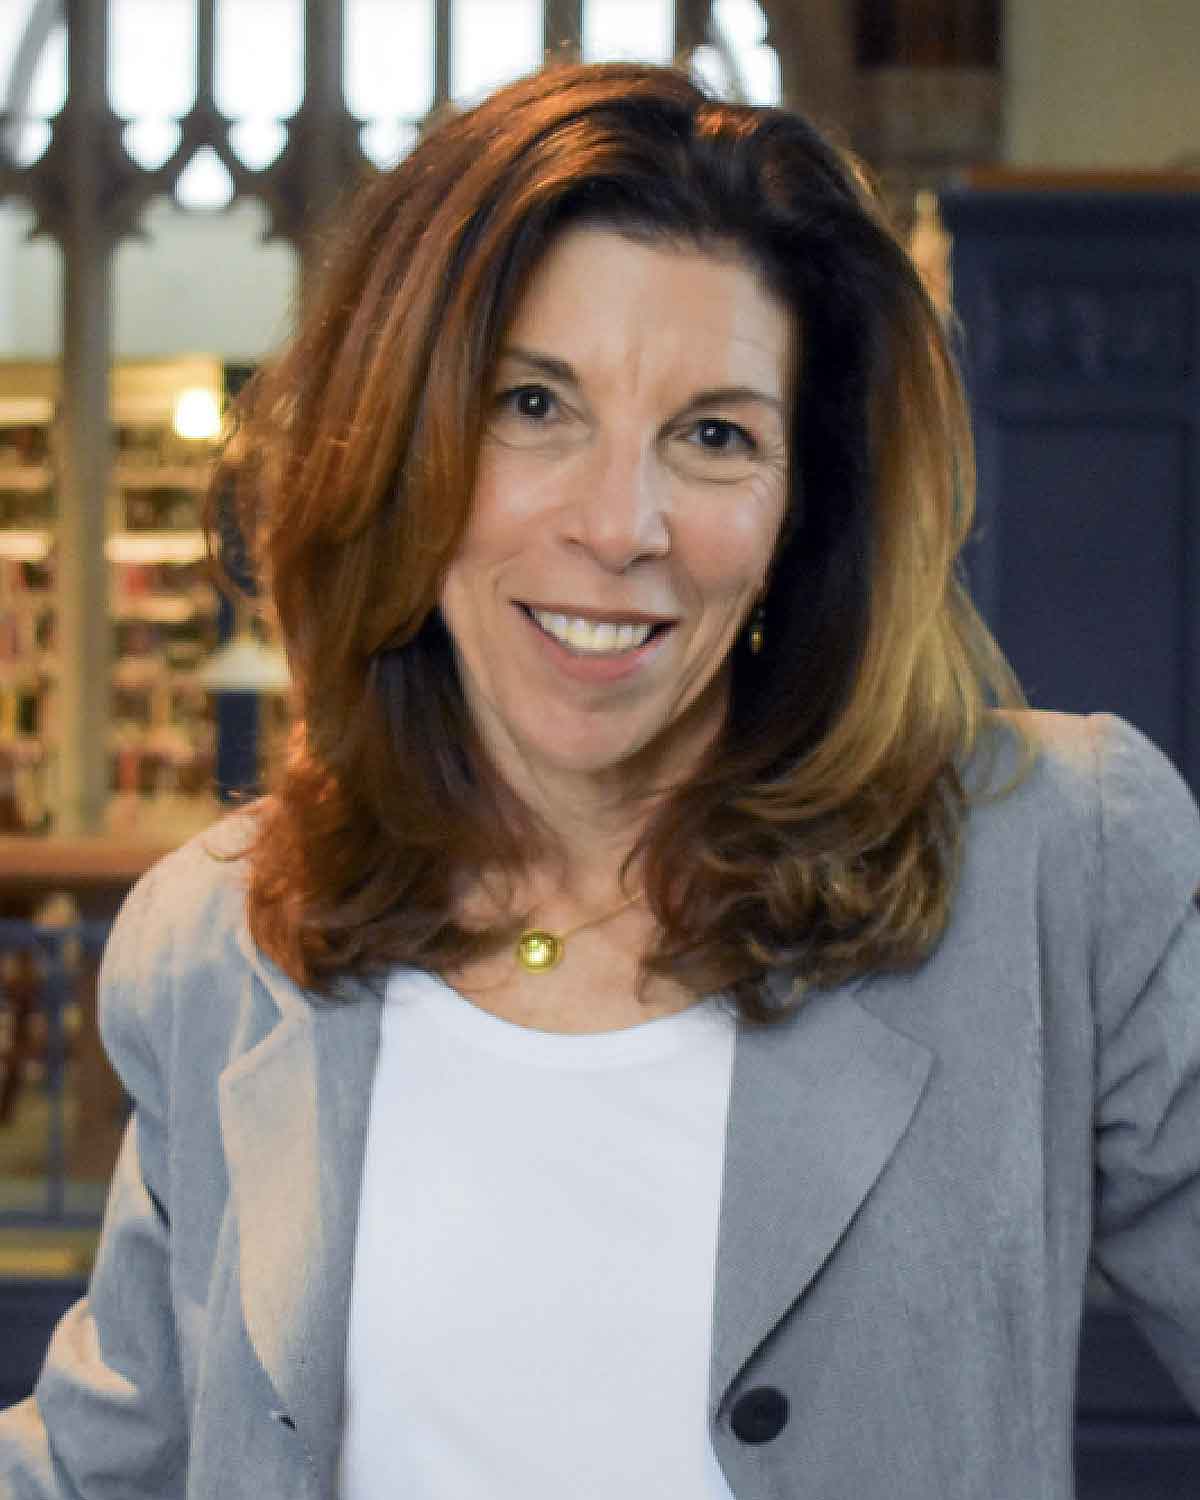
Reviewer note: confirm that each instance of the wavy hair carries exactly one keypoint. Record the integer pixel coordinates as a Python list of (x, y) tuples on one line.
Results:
[(822, 832)]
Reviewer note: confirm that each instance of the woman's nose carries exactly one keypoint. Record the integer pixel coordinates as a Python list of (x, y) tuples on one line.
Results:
[(619, 513)]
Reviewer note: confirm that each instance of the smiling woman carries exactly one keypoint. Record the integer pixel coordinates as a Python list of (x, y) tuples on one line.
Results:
[(677, 1026), (603, 354)]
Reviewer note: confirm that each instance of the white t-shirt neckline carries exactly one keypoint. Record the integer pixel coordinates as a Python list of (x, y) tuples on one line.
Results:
[(660, 1036)]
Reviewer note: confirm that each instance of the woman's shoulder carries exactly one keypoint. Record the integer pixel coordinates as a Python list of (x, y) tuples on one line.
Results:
[(198, 888), (1097, 767), (1100, 817), (182, 926)]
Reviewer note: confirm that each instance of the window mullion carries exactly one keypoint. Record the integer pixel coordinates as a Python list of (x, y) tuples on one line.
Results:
[(206, 26), (691, 26), (441, 53), (564, 29)]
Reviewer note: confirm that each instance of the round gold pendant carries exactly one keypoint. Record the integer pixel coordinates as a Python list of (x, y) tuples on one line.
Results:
[(538, 951)]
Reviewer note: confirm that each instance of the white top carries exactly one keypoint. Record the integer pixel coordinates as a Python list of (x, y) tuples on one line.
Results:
[(531, 1309)]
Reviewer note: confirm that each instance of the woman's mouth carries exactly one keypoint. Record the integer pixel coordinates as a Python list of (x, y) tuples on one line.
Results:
[(594, 637)]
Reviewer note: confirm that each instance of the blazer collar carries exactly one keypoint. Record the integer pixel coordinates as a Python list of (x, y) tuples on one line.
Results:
[(817, 1106)]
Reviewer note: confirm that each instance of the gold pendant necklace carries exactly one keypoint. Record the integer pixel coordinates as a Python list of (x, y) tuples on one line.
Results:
[(539, 950)]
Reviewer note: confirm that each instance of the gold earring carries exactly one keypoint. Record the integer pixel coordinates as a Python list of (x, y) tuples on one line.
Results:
[(758, 630)]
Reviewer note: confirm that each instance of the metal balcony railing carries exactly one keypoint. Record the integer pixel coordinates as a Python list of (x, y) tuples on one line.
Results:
[(44, 973)]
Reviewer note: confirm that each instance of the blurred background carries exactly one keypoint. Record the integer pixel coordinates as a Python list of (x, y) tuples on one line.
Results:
[(165, 167)]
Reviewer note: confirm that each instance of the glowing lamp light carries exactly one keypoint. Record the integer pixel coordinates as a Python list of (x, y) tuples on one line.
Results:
[(25, 546), (197, 414), (155, 547)]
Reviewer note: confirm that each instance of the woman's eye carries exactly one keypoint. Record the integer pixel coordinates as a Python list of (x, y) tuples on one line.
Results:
[(719, 436), (531, 416), (533, 402)]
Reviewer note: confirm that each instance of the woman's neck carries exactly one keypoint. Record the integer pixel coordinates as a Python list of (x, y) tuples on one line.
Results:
[(583, 876), (596, 803)]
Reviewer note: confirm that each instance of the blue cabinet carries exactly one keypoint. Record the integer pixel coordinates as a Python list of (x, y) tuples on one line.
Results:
[(1080, 340)]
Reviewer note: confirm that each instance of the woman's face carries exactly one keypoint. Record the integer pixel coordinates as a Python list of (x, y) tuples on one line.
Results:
[(631, 486)]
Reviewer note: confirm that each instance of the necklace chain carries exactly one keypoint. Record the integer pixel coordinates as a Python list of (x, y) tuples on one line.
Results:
[(539, 950)]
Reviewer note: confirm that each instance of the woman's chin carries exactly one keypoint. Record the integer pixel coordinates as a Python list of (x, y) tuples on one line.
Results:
[(649, 751), (592, 759)]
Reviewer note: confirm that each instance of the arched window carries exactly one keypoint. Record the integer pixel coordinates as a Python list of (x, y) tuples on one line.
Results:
[(393, 52)]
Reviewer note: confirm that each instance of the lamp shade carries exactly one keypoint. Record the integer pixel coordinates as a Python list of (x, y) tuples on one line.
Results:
[(245, 665)]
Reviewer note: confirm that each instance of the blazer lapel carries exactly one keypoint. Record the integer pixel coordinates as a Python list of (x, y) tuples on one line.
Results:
[(294, 1112), (817, 1106)]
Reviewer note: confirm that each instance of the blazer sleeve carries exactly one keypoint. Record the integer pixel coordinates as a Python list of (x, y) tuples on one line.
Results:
[(1146, 988), (107, 1417)]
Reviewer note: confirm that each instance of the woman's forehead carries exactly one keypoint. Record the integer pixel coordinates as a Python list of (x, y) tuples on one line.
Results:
[(608, 300)]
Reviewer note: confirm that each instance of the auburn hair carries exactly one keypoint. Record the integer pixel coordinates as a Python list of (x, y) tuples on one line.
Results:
[(822, 832)]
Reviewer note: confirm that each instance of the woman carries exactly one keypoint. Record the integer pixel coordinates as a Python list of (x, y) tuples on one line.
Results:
[(665, 1034)]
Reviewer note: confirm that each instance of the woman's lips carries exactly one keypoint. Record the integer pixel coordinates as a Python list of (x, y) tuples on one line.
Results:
[(604, 666)]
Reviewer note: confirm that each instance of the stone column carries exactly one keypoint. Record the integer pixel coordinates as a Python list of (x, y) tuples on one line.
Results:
[(84, 646)]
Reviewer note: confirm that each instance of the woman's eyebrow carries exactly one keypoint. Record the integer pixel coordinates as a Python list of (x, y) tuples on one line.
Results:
[(557, 369), (735, 395), (724, 395)]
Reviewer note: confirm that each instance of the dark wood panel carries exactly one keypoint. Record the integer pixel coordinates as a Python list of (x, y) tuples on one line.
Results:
[(1137, 1462), (1087, 596), (1080, 338), (28, 1313)]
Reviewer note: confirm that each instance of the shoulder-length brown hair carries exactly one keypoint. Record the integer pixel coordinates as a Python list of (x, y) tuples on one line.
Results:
[(822, 832)]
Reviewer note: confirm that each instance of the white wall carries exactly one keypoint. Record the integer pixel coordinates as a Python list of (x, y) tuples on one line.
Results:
[(30, 296), (1103, 83), (198, 283), (202, 282)]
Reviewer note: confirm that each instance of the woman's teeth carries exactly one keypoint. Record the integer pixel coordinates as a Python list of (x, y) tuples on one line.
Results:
[(588, 635)]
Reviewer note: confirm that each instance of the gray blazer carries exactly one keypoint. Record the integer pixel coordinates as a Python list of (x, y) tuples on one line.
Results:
[(918, 1167)]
